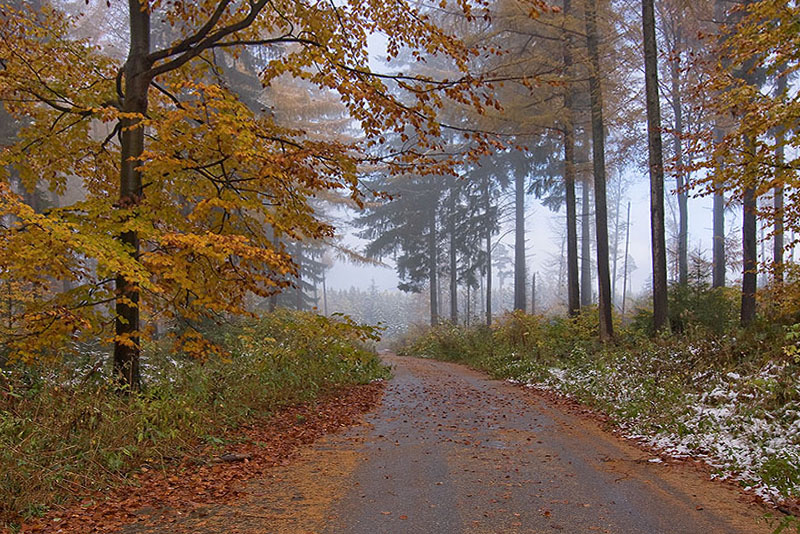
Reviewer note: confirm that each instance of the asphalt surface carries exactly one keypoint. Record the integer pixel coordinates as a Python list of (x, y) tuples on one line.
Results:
[(450, 451)]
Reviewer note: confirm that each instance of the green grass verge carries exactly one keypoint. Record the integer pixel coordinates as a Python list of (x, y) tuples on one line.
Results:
[(64, 431), (731, 399)]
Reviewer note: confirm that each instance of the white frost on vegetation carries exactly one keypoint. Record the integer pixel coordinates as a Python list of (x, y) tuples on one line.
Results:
[(727, 424)]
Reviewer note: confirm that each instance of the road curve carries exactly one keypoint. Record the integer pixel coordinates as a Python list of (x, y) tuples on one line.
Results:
[(450, 451)]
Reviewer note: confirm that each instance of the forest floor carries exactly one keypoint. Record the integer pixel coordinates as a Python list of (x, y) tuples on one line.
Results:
[(447, 451)]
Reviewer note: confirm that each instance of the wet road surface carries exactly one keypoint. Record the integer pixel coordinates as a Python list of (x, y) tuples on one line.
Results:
[(450, 451)]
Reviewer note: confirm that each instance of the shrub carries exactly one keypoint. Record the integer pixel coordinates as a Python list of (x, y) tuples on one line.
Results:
[(63, 431)]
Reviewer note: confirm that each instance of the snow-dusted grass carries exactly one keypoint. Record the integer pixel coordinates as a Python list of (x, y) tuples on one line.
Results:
[(729, 421), (734, 403)]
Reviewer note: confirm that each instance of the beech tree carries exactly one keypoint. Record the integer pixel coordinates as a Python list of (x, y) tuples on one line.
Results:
[(186, 187), (746, 162)]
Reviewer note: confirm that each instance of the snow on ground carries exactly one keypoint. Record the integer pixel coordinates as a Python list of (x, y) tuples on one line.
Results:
[(726, 425)]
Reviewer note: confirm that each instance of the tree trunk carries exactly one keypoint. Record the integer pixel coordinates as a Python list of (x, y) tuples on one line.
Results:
[(298, 296), (615, 255), (625, 265), (777, 198), (316, 296), (137, 83), (599, 167), (718, 260), (488, 254), (520, 280), (586, 247), (680, 175), (433, 265), (324, 294), (573, 291), (746, 73), (451, 229), (467, 307), (482, 297), (533, 294), (749, 257), (657, 229)]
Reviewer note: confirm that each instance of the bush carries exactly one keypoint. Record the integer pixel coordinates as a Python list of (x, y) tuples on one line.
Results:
[(63, 431), (729, 394)]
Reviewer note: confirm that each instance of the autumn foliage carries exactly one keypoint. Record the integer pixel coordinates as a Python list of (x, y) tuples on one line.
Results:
[(65, 432), (217, 186)]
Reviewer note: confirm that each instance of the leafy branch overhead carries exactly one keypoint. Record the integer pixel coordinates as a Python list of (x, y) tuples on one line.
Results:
[(211, 184)]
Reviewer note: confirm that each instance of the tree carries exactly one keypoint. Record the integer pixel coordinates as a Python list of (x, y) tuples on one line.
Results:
[(657, 227), (573, 291), (488, 179), (781, 86), (405, 225), (759, 39), (520, 279), (202, 182), (599, 170)]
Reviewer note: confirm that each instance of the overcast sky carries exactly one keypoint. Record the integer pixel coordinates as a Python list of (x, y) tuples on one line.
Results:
[(543, 240)]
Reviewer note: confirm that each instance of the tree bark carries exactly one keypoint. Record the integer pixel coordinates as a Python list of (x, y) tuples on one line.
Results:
[(680, 175), (137, 82), (625, 267), (655, 151), (718, 260), (298, 296), (489, 221), (586, 246), (520, 280), (451, 229), (746, 73), (324, 294), (749, 257), (433, 265), (599, 167), (573, 291), (615, 255), (778, 197)]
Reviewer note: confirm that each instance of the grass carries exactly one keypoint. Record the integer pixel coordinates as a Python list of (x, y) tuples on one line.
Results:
[(731, 399), (65, 432)]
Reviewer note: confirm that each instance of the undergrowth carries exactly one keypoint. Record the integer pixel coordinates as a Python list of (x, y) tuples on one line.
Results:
[(64, 431), (732, 398)]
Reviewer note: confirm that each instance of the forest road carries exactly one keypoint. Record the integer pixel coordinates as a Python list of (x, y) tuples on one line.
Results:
[(451, 451)]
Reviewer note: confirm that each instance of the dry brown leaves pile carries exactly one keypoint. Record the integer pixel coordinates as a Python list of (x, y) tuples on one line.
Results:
[(198, 480)]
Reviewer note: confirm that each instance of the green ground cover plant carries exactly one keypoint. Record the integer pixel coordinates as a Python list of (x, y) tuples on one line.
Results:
[(730, 397), (64, 430)]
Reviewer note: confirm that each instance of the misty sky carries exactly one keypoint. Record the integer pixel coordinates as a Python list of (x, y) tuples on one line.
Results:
[(543, 240)]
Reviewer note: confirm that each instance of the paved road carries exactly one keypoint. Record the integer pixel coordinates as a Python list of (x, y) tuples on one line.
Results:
[(450, 451)]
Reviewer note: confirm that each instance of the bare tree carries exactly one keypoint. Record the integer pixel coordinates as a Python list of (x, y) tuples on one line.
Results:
[(655, 151), (599, 167)]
